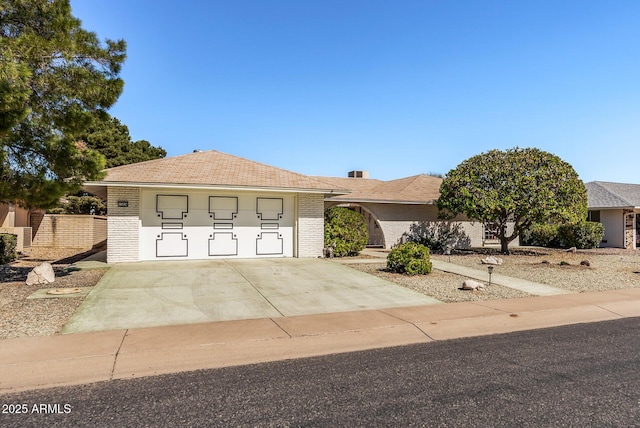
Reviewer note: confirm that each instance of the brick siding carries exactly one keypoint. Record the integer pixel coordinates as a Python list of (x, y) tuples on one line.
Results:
[(69, 231), (310, 225), (123, 224)]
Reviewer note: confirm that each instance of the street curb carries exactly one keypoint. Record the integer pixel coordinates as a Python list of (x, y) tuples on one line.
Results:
[(71, 359)]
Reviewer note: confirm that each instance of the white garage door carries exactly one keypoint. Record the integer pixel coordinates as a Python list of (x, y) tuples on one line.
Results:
[(202, 225)]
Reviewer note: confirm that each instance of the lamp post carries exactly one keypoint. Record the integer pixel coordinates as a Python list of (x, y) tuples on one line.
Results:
[(447, 251), (490, 269)]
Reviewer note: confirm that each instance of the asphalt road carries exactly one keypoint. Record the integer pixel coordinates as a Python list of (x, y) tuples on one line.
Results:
[(584, 375)]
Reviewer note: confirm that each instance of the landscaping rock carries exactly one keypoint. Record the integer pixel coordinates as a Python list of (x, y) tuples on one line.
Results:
[(471, 284), (42, 274), (585, 263), (491, 260)]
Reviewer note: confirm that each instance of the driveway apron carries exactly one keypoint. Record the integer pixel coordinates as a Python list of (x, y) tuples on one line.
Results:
[(150, 294)]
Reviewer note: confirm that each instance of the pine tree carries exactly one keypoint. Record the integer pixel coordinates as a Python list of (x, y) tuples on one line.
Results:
[(55, 78), (111, 138)]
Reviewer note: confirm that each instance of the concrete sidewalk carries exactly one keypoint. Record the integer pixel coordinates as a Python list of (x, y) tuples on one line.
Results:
[(41, 362)]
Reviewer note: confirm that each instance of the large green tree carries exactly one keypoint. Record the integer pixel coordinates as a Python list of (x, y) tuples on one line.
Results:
[(525, 186), (55, 78), (111, 138)]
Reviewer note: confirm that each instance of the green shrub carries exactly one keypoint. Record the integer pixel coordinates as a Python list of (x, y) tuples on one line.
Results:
[(8, 244), (345, 230), (439, 235), (84, 204), (410, 258), (541, 235), (583, 235), (580, 235)]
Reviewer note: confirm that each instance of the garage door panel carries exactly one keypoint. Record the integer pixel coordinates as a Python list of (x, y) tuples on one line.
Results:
[(269, 243), (172, 206), (269, 208), (223, 244), (172, 244)]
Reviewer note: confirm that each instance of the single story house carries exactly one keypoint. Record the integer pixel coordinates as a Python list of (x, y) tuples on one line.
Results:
[(209, 204), (392, 207), (617, 207)]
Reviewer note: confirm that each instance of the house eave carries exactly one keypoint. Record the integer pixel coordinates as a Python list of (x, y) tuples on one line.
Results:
[(215, 186), (630, 207), (378, 201)]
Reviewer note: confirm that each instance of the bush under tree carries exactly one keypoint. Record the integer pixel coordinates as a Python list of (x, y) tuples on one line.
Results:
[(8, 245), (439, 236), (81, 203), (410, 258), (582, 235), (345, 231)]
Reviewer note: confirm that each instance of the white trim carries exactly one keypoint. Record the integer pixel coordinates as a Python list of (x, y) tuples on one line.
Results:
[(217, 187), (377, 201)]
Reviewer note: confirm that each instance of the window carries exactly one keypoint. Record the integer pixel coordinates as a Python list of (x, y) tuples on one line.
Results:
[(594, 216), (491, 231)]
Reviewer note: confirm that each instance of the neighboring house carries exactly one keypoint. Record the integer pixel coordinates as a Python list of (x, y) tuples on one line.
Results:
[(617, 207), (16, 220), (209, 205), (392, 207)]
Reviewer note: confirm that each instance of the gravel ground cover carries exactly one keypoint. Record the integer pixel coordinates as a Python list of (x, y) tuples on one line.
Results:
[(609, 269), (440, 285), (22, 317)]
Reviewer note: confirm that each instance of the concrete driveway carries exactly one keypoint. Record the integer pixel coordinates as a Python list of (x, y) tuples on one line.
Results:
[(150, 294)]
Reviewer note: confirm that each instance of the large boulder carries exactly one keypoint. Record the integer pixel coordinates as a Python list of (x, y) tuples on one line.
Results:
[(42, 274), (491, 260), (471, 284)]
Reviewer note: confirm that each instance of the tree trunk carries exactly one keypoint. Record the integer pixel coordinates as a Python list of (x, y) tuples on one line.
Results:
[(504, 245)]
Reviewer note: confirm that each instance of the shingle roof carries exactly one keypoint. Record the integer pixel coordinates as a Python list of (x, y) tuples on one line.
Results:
[(213, 168), (422, 188), (602, 194)]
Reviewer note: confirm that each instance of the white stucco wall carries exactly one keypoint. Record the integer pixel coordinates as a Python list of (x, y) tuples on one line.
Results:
[(613, 222)]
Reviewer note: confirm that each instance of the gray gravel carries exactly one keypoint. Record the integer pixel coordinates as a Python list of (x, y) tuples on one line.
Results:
[(443, 286), (22, 317), (609, 269)]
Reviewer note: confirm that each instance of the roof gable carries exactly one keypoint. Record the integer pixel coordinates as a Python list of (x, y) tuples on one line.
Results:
[(415, 189), (213, 168), (602, 194)]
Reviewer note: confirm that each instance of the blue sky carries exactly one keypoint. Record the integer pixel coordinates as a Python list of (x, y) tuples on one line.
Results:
[(397, 88)]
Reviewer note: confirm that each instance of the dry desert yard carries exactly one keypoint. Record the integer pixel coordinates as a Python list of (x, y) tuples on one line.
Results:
[(608, 270), (22, 317)]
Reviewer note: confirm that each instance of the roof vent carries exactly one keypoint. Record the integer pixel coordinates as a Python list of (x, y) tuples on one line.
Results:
[(197, 151), (358, 174)]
